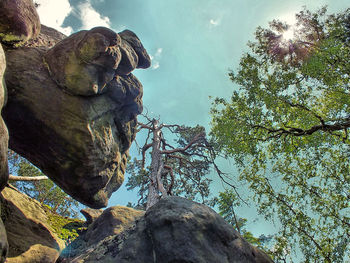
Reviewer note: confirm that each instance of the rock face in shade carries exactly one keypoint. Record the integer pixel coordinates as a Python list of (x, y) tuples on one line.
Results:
[(4, 246), (29, 235), (113, 223), (91, 214), (174, 230), (134, 41), (19, 21), (71, 110), (3, 130)]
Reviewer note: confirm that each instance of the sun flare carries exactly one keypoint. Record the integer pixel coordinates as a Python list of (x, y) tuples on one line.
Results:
[(288, 34)]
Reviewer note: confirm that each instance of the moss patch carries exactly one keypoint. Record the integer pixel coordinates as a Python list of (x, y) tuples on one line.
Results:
[(65, 228)]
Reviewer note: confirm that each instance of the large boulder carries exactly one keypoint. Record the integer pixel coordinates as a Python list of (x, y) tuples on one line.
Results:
[(30, 236), (114, 222), (173, 230), (19, 21), (72, 112), (3, 130)]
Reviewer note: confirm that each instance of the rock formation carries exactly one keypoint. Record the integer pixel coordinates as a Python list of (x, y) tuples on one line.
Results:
[(30, 237), (72, 107), (173, 230), (3, 129), (4, 246), (19, 21), (91, 214)]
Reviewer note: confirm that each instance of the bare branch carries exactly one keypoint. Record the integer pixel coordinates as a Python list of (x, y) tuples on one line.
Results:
[(27, 178), (144, 150), (143, 126), (183, 149), (340, 125)]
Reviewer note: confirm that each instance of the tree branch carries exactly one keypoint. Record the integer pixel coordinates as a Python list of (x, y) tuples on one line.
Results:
[(183, 149), (27, 178)]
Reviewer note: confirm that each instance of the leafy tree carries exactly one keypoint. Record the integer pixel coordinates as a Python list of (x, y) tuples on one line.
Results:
[(286, 127), (178, 168), (39, 187)]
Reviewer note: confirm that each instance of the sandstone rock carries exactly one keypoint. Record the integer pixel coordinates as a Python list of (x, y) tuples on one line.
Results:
[(175, 230), (85, 62), (4, 246), (3, 130), (47, 38), (91, 214), (129, 59), (144, 61), (71, 115), (19, 21), (30, 237), (113, 221)]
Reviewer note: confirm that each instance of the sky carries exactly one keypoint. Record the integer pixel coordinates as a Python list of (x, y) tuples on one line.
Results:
[(192, 43)]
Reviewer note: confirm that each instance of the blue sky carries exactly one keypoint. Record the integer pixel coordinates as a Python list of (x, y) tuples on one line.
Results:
[(193, 43)]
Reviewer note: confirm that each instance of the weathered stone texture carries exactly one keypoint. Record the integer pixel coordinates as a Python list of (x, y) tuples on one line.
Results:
[(174, 230), (3, 129), (19, 21), (71, 114), (4, 246), (30, 237)]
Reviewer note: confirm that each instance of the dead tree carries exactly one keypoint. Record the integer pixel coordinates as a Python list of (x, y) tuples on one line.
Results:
[(191, 157)]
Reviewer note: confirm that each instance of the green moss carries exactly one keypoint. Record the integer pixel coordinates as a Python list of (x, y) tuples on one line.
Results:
[(66, 229), (16, 40)]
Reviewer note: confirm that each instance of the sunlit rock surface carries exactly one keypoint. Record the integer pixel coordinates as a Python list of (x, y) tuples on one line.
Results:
[(29, 235), (3, 129)]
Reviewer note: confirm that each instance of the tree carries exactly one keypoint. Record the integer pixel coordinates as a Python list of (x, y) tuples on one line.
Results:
[(31, 181), (286, 127), (178, 168)]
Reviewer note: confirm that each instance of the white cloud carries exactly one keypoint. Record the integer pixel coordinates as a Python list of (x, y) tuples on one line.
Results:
[(52, 13), (156, 57), (158, 52), (155, 65), (90, 17), (214, 22)]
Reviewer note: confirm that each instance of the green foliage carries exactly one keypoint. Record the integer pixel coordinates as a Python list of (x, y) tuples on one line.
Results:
[(66, 228), (286, 127), (45, 191)]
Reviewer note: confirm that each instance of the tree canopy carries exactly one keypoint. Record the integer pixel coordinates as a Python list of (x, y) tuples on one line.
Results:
[(286, 127)]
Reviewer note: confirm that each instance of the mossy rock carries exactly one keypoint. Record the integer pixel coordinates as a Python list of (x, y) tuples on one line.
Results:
[(67, 229)]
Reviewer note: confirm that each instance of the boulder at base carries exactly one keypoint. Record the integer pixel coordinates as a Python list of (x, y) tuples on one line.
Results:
[(174, 230), (29, 235)]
